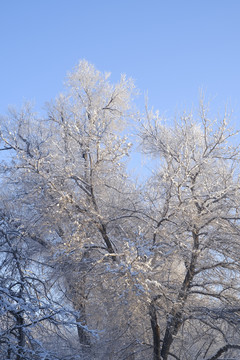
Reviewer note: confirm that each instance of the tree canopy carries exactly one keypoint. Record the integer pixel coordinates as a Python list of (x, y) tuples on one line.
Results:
[(95, 265)]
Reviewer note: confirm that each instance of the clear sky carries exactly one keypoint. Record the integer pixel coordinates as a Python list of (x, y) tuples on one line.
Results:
[(172, 48)]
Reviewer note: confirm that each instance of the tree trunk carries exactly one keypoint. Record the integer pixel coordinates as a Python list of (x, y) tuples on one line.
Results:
[(20, 337), (155, 329), (83, 335), (175, 317), (76, 282)]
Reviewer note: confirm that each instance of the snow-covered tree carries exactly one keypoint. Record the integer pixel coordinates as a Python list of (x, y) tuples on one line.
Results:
[(30, 314), (93, 266), (68, 178), (192, 203)]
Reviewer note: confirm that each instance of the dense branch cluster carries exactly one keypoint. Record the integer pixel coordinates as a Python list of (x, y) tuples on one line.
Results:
[(94, 265)]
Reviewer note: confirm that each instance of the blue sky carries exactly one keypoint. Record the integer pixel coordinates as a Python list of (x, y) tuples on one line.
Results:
[(172, 48)]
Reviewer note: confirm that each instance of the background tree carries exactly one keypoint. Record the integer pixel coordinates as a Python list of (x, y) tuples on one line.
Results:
[(30, 314)]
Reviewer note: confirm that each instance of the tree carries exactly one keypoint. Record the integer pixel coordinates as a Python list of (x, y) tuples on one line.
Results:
[(92, 265), (193, 211), (68, 178), (28, 309)]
